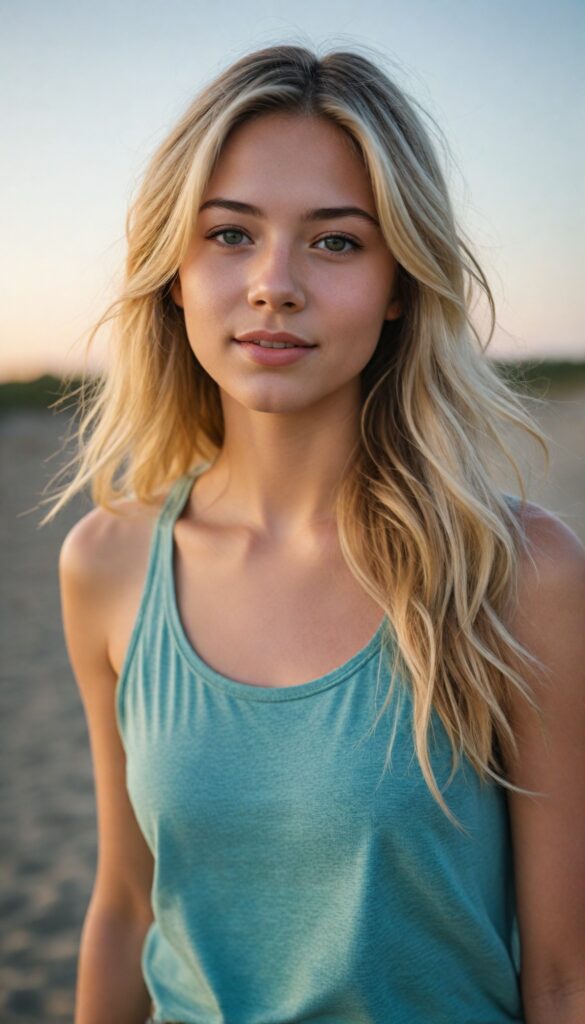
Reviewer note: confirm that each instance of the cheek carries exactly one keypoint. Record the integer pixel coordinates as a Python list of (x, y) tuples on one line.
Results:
[(206, 300), (359, 301)]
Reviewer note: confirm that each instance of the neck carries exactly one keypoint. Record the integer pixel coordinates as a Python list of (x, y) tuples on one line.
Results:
[(278, 473)]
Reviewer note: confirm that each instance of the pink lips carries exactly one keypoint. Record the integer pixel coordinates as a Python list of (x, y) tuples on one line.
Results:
[(273, 356), (273, 336)]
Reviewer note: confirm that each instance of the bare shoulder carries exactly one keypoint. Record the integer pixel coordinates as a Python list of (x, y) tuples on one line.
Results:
[(102, 568), (550, 609), (101, 544), (549, 615), (552, 569)]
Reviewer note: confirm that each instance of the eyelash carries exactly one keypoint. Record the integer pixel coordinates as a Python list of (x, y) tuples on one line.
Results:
[(346, 238)]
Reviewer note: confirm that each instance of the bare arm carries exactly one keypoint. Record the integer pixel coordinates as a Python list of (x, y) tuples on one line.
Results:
[(549, 830), (110, 986)]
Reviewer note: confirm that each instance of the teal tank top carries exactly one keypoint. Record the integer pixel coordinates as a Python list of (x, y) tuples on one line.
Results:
[(294, 881)]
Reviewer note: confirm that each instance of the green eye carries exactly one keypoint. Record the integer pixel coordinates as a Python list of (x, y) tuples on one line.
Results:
[(226, 232), (341, 240)]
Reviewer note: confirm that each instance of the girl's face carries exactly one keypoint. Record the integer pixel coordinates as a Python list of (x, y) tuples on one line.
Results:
[(288, 259)]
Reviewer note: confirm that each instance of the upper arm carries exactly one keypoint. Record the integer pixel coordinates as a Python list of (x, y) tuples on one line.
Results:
[(87, 575), (548, 830)]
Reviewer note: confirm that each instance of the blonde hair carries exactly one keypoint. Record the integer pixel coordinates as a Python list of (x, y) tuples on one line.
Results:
[(422, 524)]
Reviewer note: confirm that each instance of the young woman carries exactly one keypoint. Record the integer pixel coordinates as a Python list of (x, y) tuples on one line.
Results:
[(333, 676)]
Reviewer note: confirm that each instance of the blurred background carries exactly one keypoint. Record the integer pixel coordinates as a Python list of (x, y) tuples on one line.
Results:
[(87, 92)]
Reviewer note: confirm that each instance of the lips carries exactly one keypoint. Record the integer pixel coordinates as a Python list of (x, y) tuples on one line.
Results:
[(282, 336)]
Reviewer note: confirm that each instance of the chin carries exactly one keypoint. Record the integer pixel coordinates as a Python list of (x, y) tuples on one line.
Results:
[(268, 399)]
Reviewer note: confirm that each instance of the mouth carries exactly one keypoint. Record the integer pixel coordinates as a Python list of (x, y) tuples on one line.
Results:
[(273, 353), (272, 344), (273, 339)]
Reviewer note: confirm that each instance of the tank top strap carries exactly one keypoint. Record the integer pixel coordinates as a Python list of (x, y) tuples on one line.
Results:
[(159, 573), (177, 497), (161, 549)]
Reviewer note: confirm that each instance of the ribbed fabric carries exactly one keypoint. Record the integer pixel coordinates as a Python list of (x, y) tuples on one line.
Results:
[(293, 881)]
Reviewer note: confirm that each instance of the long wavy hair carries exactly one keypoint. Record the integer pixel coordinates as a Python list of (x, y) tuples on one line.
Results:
[(422, 524)]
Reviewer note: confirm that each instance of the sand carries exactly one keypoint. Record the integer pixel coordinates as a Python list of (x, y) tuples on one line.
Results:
[(47, 814)]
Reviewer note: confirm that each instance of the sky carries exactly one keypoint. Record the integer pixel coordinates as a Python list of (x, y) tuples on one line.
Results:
[(89, 89)]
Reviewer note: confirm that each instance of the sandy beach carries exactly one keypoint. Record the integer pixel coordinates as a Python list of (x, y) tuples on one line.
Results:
[(47, 814)]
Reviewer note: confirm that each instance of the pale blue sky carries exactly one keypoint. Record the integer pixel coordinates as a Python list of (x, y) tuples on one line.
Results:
[(88, 89)]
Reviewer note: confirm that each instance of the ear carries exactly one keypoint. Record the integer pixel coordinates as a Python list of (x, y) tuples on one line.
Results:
[(394, 310), (176, 292)]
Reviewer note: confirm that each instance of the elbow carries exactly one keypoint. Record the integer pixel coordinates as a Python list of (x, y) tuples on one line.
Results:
[(561, 1002)]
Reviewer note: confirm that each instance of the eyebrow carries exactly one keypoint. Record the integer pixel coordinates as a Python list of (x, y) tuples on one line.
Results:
[(322, 213)]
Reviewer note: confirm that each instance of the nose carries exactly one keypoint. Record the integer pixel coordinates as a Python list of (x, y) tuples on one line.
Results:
[(273, 283)]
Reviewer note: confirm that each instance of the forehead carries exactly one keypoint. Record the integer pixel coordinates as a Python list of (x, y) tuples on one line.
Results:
[(288, 154)]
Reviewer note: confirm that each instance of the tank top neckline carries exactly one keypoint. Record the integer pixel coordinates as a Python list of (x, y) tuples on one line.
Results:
[(172, 509)]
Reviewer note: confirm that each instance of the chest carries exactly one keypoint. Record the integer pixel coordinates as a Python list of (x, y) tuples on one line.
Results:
[(257, 783), (268, 618), (273, 618)]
